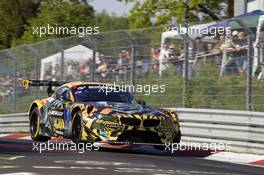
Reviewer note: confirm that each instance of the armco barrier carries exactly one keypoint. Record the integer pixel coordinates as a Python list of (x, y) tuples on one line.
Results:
[(13, 123), (243, 131)]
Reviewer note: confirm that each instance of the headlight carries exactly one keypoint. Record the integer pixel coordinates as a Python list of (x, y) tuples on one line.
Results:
[(108, 118)]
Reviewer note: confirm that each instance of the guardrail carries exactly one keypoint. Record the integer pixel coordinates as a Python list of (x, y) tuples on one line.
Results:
[(14, 123), (243, 131)]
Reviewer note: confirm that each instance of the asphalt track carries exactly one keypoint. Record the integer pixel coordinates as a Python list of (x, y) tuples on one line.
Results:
[(17, 157)]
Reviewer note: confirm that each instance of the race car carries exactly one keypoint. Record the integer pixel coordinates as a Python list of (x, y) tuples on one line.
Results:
[(98, 112)]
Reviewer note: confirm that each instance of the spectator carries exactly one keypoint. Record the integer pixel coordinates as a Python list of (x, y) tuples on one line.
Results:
[(102, 68), (234, 35), (10, 93), (172, 54), (48, 72), (211, 49), (179, 62), (163, 56), (70, 71), (129, 63), (7, 81), (240, 54), (200, 47), (144, 63), (85, 70), (155, 59), (214, 53), (228, 46), (261, 74), (192, 50), (121, 66)]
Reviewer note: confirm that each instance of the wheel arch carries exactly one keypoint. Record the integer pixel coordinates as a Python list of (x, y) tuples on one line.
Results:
[(32, 106), (171, 113)]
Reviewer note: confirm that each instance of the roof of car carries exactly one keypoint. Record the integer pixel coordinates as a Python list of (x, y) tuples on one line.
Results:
[(77, 83)]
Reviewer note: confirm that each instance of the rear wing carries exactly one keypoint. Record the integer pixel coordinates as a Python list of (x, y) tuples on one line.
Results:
[(27, 83), (49, 84)]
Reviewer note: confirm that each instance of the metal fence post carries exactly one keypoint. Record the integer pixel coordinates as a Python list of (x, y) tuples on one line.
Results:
[(90, 42), (61, 61), (186, 57), (15, 79), (133, 55), (37, 67), (93, 65), (249, 75), (62, 65)]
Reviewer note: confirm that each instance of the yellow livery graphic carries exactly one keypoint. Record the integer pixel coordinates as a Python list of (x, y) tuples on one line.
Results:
[(98, 112)]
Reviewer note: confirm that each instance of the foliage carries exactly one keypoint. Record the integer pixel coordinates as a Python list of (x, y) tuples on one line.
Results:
[(14, 15), (18, 17), (155, 12), (57, 13), (110, 22)]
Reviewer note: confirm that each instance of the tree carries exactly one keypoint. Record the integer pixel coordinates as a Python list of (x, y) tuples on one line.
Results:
[(110, 22), (156, 12), (14, 15), (57, 13), (69, 14)]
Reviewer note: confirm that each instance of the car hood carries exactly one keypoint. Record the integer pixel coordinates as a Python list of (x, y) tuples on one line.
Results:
[(127, 108)]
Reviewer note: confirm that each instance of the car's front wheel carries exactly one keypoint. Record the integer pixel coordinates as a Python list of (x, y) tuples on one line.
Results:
[(34, 126), (77, 127), (177, 138)]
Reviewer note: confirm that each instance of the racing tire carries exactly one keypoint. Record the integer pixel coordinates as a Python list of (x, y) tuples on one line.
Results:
[(77, 127), (176, 139), (34, 126), (160, 148)]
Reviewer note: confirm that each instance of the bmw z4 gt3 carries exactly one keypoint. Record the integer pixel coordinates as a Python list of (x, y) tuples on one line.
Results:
[(84, 112)]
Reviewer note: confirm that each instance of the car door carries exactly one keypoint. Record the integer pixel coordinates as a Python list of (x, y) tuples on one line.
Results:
[(56, 111)]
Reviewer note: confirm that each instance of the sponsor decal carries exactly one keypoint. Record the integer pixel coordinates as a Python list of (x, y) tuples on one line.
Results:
[(59, 124), (56, 113)]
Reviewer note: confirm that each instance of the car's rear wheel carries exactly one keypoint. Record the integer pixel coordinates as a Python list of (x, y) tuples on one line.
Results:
[(77, 127), (34, 126)]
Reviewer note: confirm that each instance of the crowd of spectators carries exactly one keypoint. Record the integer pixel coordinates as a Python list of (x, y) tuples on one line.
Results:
[(235, 45), (119, 67), (6, 90), (8, 83)]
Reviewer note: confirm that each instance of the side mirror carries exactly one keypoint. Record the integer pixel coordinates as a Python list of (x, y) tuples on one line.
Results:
[(141, 102)]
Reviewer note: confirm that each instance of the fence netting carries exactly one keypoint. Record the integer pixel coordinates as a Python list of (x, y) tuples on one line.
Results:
[(218, 75)]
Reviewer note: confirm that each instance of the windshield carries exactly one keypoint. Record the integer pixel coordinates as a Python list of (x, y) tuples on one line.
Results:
[(95, 93)]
